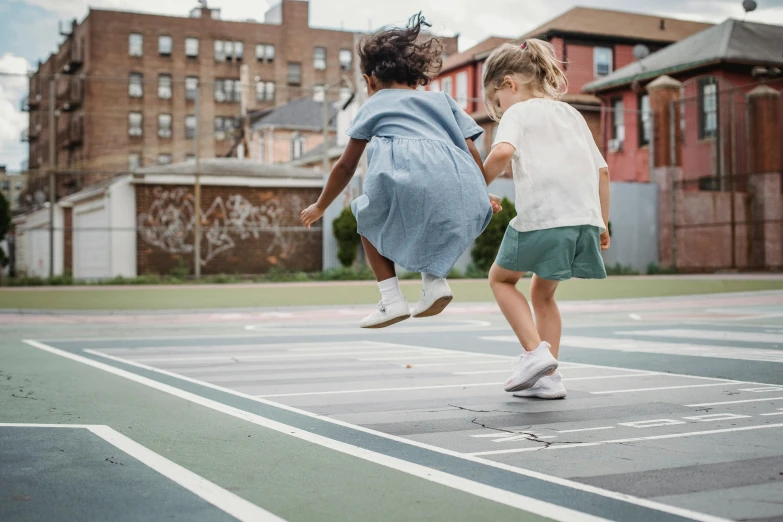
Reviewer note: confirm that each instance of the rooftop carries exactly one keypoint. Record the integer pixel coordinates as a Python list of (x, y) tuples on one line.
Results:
[(474, 53), (609, 23), (733, 41), (299, 114)]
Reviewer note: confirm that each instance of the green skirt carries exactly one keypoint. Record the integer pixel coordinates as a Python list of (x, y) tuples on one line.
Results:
[(557, 254)]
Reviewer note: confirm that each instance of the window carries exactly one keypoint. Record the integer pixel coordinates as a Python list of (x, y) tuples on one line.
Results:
[(270, 53), (345, 93), (224, 126), (190, 126), (227, 90), (462, 89), (708, 107), (645, 120), (435, 86), (164, 126), (297, 146), (164, 86), (228, 46), (190, 157), (228, 50), (220, 53), (447, 86), (191, 47), (602, 61), (164, 159), (164, 45), (346, 59), (239, 51), (319, 59), (265, 52), (618, 124), (135, 44), (191, 87), (134, 161), (294, 73), (135, 85), (319, 93), (134, 124), (265, 91)]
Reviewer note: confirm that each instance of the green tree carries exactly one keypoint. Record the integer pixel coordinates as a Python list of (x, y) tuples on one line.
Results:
[(487, 244), (5, 225), (348, 239)]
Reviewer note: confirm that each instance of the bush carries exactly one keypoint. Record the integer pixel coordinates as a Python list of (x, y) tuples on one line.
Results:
[(474, 272), (654, 269), (348, 239), (620, 270), (181, 271), (488, 243)]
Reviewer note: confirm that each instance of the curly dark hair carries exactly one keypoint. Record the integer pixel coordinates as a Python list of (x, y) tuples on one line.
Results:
[(396, 54)]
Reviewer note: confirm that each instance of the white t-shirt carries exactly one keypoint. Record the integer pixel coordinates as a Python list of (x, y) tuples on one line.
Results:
[(555, 165)]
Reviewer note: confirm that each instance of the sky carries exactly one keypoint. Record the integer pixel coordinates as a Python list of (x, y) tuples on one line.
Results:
[(29, 28)]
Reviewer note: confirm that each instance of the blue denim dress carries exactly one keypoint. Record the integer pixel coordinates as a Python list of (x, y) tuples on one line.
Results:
[(425, 199)]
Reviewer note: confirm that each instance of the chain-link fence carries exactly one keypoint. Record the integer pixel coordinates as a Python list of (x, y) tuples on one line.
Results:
[(726, 206)]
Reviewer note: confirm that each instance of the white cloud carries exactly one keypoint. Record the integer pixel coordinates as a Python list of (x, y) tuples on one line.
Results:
[(12, 120)]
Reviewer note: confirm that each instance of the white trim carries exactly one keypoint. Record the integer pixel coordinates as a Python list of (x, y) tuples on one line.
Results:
[(734, 402), (222, 499), (227, 181), (528, 504)]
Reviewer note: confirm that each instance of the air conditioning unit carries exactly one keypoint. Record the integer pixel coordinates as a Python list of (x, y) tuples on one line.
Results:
[(615, 145)]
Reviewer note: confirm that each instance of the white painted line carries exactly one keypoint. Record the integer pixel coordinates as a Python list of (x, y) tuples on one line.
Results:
[(435, 356), (572, 379), (373, 390), (587, 429), (635, 317), (652, 423), (634, 439), (651, 504), (774, 413), (713, 335), (667, 348), (714, 417), (734, 402), (668, 388), (507, 437), (468, 486), (244, 358), (763, 389), (222, 499)]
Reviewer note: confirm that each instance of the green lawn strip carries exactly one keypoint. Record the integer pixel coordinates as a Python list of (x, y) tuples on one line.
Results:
[(294, 479), (270, 295)]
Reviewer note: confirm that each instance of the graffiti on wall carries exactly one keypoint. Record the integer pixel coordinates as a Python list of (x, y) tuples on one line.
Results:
[(169, 223)]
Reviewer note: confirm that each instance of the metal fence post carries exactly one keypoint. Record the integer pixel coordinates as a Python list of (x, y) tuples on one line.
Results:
[(197, 188), (673, 122), (53, 168)]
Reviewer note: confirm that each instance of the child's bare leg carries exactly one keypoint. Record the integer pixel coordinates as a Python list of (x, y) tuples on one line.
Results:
[(548, 322), (382, 268), (514, 306)]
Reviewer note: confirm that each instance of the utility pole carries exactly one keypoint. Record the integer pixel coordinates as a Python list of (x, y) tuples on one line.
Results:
[(325, 128), (52, 168), (197, 188)]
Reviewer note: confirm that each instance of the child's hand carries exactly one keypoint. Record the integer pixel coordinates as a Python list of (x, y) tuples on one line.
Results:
[(495, 202), (605, 240), (311, 214)]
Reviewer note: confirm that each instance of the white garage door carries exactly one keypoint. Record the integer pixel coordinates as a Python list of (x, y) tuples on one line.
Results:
[(91, 255)]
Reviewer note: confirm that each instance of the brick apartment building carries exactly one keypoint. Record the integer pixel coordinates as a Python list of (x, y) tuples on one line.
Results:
[(591, 42), (126, 85)]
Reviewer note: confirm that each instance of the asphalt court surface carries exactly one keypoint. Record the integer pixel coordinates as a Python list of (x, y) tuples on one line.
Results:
[(674, 407)]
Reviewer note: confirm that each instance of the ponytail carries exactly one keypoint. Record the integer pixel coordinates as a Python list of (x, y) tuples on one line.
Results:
[(534, 61)]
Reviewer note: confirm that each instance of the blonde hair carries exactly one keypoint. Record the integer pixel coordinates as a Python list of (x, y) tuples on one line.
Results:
[(532, 62)]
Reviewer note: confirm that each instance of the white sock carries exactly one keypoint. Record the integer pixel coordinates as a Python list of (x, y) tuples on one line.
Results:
[(428, 279), (390, 290)]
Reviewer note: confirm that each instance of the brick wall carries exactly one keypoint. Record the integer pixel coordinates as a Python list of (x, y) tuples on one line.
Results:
[(244, 230)]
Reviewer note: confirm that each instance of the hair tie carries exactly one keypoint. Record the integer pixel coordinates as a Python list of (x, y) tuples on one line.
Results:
[(523, 46)]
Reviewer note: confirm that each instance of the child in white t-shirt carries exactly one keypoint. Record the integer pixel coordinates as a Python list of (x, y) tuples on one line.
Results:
[(561, 183)]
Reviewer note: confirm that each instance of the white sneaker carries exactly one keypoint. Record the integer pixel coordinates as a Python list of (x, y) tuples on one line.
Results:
[(387, 315), (434, 298), (547, 387), (530, 367)]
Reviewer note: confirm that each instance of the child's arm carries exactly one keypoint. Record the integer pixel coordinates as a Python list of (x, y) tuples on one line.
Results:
[(476, 155), (338, 179), (603, 194), (497, 161)]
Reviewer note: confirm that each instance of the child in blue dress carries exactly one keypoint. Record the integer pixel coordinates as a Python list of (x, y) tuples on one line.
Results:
[(425, 196)]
